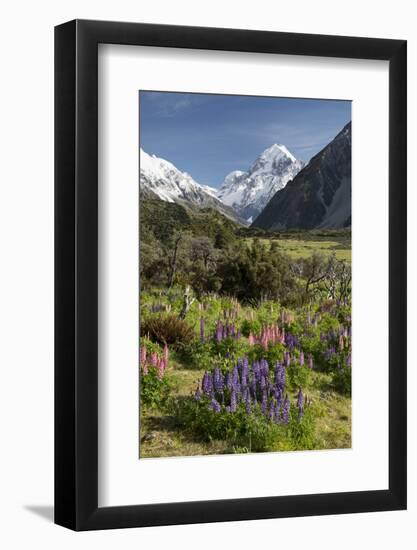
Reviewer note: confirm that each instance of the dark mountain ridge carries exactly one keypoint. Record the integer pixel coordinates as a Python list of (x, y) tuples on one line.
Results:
[(319, 197)]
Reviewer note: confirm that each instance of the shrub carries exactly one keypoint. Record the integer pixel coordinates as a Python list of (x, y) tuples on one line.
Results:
[(229, 348), (250, 326), (298, 376), (154, 390), (197, 354), (167, 329), (342, 380)]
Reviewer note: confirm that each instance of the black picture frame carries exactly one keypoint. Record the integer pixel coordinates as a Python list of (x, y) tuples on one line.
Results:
[(76, 272)]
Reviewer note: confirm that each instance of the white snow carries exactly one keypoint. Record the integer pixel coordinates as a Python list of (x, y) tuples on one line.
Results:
[(169, 183), (270, 172)]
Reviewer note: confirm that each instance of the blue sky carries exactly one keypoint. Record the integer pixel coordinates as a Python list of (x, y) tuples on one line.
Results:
[(208, 136)]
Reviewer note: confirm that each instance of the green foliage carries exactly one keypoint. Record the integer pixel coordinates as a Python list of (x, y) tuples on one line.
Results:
[(274, 353), (302, 430), (248, 327), (298, 376), (210, 353), (163, 218), (199, 355), (246, 433), (167, 329), (255, 432), (342, 380), (254, 274), (230, 348), (154, 391), (328, 322)]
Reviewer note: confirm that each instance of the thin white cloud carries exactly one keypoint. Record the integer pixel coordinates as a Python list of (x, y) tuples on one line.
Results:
[(170, 104)]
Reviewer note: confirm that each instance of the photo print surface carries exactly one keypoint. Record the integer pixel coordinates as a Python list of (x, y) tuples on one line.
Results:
[(245, 274)]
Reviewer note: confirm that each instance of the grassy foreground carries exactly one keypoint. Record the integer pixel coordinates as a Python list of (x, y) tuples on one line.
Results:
[(162, 437)]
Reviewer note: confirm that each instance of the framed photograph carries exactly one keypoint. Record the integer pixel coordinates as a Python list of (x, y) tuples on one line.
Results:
[(230, 254)]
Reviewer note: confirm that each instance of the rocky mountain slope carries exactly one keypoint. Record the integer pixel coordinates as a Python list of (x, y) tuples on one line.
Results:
[(319, 196)]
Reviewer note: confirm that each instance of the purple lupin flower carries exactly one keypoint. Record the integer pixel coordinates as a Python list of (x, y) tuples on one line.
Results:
[(233, 402), (287, 359), (197, 394), (245, 371), (228, 381), (280, 377), (253, 385), (215, 405), (207, 383), (204, 383), (277, 413), (264, 403), (286, 410), (219, 331), (235, 380), (302, 358), (264, 368), (218, 380)]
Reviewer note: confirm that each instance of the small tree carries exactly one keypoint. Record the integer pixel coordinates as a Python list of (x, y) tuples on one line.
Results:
[(315, 269)]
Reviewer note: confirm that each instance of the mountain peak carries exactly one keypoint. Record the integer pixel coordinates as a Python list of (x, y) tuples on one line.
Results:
[(277, 149), (249, 192)]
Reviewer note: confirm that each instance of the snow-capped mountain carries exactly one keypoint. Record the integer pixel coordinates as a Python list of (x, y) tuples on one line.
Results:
[(159, 177), (320, 195), (249, 192)]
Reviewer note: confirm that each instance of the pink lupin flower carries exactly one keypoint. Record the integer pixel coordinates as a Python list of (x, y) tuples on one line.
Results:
[(145, 369), (302, 358), (142, 355), (277, 335), (161, 368), (154, 358), (251, 339), (310, 362)]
